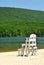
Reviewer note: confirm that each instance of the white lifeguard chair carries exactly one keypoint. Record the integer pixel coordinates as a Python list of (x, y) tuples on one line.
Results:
[(24, 50), (32, 44), (29, 46), (26, 47)]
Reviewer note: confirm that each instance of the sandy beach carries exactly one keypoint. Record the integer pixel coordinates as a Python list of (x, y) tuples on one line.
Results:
[(12, 58)]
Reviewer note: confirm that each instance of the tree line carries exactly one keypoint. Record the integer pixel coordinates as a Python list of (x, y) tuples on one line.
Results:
[(20, 32)]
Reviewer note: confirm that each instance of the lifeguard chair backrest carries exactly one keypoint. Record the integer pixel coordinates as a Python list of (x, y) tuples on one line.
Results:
[(32, 39)]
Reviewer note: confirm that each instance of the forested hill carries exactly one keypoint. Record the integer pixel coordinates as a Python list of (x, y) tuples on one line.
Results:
[(16, 22)]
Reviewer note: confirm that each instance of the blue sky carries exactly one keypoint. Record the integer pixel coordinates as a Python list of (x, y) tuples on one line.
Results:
[(27, 4)]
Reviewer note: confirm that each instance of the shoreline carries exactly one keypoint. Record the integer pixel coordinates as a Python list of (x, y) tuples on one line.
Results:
[(17, 50)]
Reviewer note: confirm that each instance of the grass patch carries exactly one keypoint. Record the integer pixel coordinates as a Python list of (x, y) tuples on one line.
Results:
[(9, 46), (5, 47)]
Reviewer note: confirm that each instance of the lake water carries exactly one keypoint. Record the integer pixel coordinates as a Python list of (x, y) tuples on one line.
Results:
[(40, 40), (17, 41)]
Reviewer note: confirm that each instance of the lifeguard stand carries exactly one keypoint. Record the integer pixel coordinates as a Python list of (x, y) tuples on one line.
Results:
[(32, 44), (29, 46)]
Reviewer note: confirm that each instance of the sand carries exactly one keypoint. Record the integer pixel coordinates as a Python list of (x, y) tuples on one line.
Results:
[(11, 58)]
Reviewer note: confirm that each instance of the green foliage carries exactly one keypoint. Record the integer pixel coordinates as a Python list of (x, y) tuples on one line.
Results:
[(16, 22)]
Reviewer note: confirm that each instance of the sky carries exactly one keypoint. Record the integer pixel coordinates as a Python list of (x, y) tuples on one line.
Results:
[(26, 4)]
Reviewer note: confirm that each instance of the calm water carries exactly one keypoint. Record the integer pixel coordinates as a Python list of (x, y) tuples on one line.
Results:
[(40, 40)]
